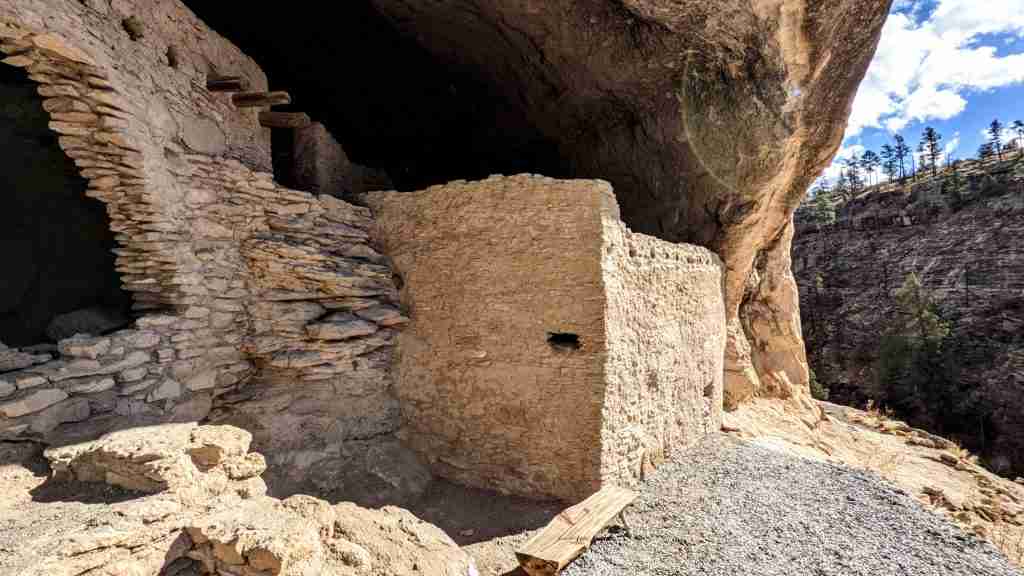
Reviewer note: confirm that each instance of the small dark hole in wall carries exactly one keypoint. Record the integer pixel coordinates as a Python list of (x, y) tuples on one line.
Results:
[(564, 340), (172, 57), (133, 26)]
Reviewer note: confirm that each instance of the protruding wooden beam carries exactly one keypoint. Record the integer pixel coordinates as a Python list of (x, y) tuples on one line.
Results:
[(284, 119), (257, 99), (227, 84)]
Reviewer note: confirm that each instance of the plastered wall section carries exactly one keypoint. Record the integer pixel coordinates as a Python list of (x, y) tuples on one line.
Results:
[(665, 325), (488, 271)]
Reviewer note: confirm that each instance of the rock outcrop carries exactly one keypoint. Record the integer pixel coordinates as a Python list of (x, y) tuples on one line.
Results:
[(710, 119), (966, 249), (196, 505)]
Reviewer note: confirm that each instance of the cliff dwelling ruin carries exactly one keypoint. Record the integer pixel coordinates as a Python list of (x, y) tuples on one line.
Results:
[(513, 256)]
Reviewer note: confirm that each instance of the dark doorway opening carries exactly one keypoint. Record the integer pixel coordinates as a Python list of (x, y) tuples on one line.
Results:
[(392, 105), (59, 274)]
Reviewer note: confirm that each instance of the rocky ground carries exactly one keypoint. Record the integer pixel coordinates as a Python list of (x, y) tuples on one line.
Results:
[(731, 507), (185, 500), (937, 472), (794, 497)]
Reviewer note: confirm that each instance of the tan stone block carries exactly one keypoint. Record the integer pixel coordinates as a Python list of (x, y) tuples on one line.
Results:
[(168, 389), (32, 402), (59, 46)]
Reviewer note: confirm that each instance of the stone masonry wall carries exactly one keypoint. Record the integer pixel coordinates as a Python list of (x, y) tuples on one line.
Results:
[(236, 279), (665, 323), (527, 365)]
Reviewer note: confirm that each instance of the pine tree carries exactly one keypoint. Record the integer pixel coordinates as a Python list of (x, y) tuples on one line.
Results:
[(888, 158), (824, 206), (932, 145), (985, 151), (870, 163), (953, 184), (902, 151), (853, 178), (1018, 129), (995, 137)]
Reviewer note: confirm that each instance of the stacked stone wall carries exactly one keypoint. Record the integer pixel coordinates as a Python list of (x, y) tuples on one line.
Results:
[(236, 280)]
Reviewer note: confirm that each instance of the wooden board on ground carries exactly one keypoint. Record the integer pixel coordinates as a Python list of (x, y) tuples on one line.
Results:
[(570, 533)]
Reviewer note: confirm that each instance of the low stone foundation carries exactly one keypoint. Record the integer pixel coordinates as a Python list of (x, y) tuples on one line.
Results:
[(550, 349)]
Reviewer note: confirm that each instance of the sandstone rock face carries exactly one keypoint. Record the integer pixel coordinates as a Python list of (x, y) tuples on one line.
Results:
[(234, 276), (549, 348), (710, 119), (969, 261)]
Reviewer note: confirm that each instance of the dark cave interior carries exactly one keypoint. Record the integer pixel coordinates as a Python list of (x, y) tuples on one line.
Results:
[(57, 242), (391, 104)]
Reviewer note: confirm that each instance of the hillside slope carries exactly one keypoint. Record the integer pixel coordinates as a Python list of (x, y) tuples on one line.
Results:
[(968, 252)]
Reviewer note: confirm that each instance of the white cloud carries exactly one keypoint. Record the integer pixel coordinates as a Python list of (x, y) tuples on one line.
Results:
[(952, 145), (923, 69)]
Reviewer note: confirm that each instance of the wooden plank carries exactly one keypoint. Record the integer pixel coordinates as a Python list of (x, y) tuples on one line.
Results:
[(258, 99), (271, 119), (227, 84), (570, 533)]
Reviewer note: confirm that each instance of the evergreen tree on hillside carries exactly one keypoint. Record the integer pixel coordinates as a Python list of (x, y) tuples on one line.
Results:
[(985, 151), (913, 375), (823, 206), (954, 185), (888, 158), (901, 152), (854, 182), (842, 191), (932, 144), (870, 163), (995, 137), (1018, 130)]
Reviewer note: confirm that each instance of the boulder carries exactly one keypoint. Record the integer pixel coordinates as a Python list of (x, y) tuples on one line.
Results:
[(192, 461)]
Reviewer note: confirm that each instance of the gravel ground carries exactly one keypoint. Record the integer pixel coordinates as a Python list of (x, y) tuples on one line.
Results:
[(729, 508)]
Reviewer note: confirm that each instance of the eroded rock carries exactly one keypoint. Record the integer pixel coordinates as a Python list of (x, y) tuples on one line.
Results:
[(204, 512)]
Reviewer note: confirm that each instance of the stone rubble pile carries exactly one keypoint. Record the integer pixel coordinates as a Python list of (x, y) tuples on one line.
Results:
[(202, 509)]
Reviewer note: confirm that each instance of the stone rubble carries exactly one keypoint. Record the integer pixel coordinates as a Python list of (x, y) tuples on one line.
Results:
[(200, 508)]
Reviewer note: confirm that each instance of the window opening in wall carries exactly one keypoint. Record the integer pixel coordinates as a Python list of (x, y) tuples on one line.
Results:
[(564, 341), (59, 277)]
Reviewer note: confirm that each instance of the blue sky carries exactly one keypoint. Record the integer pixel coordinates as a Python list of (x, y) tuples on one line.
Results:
[(950, 64)]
